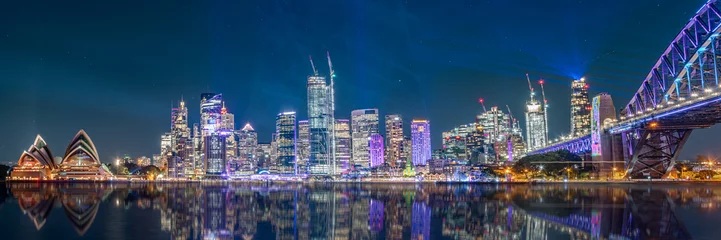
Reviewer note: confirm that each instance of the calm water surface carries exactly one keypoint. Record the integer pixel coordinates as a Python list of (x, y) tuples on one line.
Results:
[(359, 211)]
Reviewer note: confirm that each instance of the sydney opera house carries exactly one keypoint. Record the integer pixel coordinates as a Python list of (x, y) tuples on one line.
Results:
[(80, 162)]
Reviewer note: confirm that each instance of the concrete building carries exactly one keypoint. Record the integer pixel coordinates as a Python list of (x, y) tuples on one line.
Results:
[(375, 150), (421, 141), (364, 123), (394, 139), (285, 131), (342, 145), (580, 108)]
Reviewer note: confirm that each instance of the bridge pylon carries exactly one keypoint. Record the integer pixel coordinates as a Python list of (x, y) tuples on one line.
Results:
[(652, 153)]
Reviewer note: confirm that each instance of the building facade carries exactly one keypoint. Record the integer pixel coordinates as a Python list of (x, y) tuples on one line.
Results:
[(364, 123), (303, 147), (285, 131), (342, 145), (536, 132), (394, 139), (319, 121), (375, 150), (247, 144), (421, 141), (580, 108)]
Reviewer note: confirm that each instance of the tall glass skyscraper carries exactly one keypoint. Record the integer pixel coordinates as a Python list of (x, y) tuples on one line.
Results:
[(394, 139), (342, 145), (375, 150), (535, 125), (211, 105), (247, 144), (580, 108), (213, 140), (319, 120), (364, 123), (285, 140), (303, 146), (421, 141)]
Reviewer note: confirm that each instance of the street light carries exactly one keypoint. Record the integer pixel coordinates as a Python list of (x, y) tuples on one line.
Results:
[(614, 173)]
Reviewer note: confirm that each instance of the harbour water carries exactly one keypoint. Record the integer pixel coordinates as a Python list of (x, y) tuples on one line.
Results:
[(359, 211)]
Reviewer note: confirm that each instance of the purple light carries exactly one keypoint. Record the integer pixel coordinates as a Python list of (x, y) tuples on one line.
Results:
[(376, 150), (421, 141)]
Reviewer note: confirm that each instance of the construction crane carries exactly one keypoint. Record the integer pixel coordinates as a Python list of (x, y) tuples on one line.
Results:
[(510, 114), (530, 88), (480, 100), (315, 71), (332, 112), (545, 106)]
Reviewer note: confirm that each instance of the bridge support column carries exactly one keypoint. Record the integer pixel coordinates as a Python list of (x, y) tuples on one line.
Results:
[(611, 156), (654, 152)]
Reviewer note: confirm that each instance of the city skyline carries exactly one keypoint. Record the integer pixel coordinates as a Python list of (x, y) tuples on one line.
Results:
[(121, 112)]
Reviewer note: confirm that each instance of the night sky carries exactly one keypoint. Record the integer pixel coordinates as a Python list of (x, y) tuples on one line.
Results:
[(114, 68)]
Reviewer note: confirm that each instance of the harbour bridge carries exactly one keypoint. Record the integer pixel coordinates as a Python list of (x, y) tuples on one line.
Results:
[(680, 93)]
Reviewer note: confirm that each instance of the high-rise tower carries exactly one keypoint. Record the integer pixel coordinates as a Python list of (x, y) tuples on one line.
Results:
[(394, 139), (247, 144), (375, 150), (364, 123), (302, 147), (319, 125), (536, 132), (421, 141), (342, 145), (285, 132), (580, 108)]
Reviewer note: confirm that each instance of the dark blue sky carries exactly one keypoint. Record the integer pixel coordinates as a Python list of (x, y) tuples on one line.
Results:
[(114, 67)]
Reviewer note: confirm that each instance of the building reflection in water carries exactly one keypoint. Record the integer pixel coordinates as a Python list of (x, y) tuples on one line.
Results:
[(375, 211)]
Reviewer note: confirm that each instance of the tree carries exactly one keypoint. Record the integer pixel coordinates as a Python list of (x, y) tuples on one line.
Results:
[(544, 163), (705, 174)]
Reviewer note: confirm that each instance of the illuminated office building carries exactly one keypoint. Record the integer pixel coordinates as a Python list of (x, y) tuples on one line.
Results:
[(211, 105), (262, 156), (580, 108), (535, 125), (319, 120), (421, 142), (364, 123), (166, 149), (375, 150), (215, 157), (285, 140), (496, 124), (302, 148), (454, 141), (394, 139), (247, 143), (227, 127), (342, 145), (406, 151), (195, 166)]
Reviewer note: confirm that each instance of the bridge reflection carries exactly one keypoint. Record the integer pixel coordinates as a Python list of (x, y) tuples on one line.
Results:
[(377, 211)]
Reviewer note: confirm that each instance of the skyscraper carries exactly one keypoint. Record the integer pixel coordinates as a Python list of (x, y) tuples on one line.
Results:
[(421, 141), (364, 123), (319, 120), (247, 143), (195, 166), (496, 124), (211, 105), (227, 126), (342, 145), (303, 146), (182, 147), (285, 132), (454, 141), (394, 139), (375, 150), (215, 157), (535, 125), (580, 108)]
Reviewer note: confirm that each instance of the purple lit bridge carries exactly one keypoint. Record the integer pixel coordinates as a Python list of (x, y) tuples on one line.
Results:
[(681, 93)]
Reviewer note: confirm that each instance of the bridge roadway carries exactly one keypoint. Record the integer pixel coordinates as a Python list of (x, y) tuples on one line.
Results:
[(681, 93)]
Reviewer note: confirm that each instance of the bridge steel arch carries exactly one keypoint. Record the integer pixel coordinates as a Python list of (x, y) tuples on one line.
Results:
[(681, 93)]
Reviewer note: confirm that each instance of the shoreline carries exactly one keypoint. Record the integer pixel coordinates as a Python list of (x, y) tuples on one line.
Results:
[(231, 182)]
